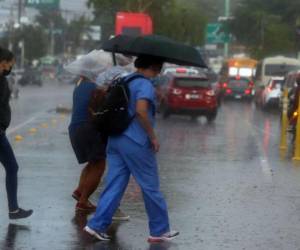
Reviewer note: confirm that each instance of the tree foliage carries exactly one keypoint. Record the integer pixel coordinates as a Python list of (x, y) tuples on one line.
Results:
[(266, 27), (178, 20), (33, 37)]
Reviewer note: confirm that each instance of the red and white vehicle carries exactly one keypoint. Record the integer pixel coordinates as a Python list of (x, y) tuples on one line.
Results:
[(187, 94)]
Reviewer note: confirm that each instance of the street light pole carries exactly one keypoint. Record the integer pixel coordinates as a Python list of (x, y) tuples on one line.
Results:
[(20, 7), (21, 43), (227, 15)]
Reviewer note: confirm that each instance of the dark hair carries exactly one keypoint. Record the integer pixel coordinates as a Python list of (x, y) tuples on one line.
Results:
[(6, 55), (145, 62)]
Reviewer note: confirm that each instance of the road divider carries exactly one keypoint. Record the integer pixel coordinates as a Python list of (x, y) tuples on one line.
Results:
[(284, 121), (297, 139), (44, 125), (32, 131), (19, 138), (63, 110)]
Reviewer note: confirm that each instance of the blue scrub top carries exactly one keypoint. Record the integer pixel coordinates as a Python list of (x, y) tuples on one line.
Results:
[(140, 89)]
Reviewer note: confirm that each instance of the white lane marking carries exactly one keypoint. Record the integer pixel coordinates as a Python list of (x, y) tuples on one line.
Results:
[(30, 120)]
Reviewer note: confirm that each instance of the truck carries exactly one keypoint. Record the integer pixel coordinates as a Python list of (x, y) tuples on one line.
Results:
[(133, 24)]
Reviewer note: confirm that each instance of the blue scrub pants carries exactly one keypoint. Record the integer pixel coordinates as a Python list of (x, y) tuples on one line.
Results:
[(8, 160), (126, 157)]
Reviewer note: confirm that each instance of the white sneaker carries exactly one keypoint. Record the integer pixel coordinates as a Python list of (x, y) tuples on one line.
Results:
[(165, 237), (120, 215), (98, 235)]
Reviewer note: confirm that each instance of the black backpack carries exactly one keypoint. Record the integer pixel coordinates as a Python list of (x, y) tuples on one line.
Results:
[(110, 116)]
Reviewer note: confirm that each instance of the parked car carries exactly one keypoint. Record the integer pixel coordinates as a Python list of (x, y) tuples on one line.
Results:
[(189, 95), (65, 77), (175, 69), (238, 88), (31, 76), (269, 97)]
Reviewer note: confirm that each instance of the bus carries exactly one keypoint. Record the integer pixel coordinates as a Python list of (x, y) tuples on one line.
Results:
[(133, 24), (271, 67), (238, 67)]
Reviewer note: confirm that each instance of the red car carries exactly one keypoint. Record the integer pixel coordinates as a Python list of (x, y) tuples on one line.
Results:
[(191, 95)]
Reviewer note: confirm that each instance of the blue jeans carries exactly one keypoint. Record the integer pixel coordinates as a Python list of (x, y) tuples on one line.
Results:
[(126, 157), (8, 160)]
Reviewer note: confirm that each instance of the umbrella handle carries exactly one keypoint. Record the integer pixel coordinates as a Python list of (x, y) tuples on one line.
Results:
[(114, 56)]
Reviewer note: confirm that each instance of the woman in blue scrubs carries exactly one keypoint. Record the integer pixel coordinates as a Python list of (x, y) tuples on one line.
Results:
[(133, 153)]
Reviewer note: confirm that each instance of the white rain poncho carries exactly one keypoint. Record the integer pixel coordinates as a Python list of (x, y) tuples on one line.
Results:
[(90, 65), (98, 67), (113, 73)]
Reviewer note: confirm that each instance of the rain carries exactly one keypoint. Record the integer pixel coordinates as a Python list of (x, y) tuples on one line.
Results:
[(211, 144)]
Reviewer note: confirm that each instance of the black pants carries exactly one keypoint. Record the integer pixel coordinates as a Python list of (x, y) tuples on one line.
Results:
[(8, 160)]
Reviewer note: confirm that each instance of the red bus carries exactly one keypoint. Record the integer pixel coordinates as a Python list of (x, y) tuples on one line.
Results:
[(133, 24)]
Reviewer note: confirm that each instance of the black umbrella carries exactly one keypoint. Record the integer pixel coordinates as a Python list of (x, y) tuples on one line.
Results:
[(154, 45), (116, 43)]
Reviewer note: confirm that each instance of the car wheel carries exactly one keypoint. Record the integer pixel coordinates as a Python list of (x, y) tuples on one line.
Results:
[(194, 117), (249, 99), (211, 117), (166, 114), (165, 111)]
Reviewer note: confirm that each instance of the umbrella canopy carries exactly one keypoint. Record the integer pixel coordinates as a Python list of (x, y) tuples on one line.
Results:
[(117, 43), (154, 45)]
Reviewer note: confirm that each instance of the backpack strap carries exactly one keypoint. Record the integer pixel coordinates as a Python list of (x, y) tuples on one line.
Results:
[(132, 78), (128, 80)]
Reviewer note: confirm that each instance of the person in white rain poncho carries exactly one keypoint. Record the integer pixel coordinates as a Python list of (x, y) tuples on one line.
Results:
[(88, 144)]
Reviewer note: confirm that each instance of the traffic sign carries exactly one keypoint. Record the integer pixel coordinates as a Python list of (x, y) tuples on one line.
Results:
[(215, 34), (43, 4)]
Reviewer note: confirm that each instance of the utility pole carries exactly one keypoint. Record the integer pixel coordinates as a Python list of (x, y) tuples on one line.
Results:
[(20, 8), (52, 38), (227, 15), (10, 29), (21, 43)]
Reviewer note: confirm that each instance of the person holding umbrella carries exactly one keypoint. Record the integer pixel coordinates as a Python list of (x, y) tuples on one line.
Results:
[(7, 156), (133, 153)]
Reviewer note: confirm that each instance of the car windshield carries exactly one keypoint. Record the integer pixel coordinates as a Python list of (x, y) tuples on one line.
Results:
[(279, 69), (278, 82), (192, 82), (238, 82)]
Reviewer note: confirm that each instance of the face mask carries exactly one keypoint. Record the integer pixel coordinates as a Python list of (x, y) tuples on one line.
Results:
[(6, 72)]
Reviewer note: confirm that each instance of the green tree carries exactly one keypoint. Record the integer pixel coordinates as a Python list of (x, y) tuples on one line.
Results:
[(56, 26), (35, 41), (177, 20), (34, 38), (266, 27), (105, 11), (75, 31)]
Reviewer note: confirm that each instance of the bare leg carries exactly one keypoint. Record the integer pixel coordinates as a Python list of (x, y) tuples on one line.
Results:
[(91, 180), (82, 179)]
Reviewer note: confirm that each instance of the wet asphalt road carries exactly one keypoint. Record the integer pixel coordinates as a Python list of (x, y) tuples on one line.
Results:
[(226, 184)]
